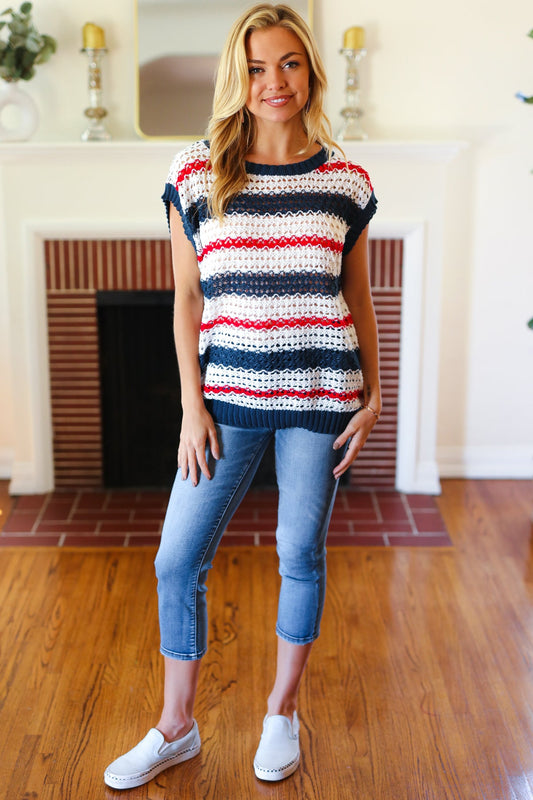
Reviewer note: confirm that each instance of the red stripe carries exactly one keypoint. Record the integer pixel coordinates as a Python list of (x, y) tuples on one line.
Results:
[(268, 324), (271, 393), (197, 165), (272, 243), (340, 166)]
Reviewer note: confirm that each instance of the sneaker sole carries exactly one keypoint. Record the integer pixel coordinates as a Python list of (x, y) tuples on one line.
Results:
[(140, 778), (276, 774)]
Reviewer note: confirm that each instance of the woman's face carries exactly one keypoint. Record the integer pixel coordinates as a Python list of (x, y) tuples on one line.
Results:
[(279, 75)]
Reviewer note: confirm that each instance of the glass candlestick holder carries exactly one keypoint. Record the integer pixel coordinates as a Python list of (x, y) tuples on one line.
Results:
[(353, 111), (95, 112)]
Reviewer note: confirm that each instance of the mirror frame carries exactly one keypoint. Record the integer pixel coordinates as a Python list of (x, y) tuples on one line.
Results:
[(177, 136)]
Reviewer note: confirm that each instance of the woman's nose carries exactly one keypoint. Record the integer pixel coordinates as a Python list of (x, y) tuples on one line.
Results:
[(277, 79)]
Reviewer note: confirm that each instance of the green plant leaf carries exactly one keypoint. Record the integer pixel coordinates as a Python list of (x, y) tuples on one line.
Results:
[(18, 28), (45, 54), (34, 43), (49, 41), (530, 323)]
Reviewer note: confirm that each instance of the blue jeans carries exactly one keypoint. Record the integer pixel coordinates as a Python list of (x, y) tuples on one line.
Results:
[(197, 516)]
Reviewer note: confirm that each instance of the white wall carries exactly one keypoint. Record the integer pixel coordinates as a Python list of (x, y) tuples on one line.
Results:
[(452, 71), (431, 72)]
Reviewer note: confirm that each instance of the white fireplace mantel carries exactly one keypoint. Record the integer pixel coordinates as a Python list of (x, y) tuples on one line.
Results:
[(75, 190), (425, 151)]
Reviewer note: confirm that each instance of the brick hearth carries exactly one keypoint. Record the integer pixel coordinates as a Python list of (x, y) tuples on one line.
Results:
[(129, 519)]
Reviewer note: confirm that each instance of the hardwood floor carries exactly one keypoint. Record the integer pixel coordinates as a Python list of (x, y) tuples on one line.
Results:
[(419, 688)]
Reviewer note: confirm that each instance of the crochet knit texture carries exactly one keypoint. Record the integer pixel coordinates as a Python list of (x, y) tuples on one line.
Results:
[(278, 347)]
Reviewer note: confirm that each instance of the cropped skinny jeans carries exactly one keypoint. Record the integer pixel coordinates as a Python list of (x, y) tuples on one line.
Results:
[(198, 515)]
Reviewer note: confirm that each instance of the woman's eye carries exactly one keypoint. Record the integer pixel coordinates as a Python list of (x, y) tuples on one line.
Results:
[(290, 65), (254, 70)]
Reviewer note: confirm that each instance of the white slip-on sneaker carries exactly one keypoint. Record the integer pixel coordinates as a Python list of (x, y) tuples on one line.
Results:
[(150, 757), (278, 754)]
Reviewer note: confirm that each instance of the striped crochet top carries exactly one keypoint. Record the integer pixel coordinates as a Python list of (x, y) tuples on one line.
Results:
[(277, 346)]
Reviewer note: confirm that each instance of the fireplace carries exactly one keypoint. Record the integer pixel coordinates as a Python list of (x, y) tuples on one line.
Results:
[(87, 280), (107, 202), (139, 388)]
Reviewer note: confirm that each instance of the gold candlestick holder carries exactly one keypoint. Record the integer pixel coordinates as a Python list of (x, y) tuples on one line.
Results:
[(95, 112), (352, 112)]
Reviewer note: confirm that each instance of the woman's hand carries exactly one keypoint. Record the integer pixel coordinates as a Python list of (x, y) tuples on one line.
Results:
[(197, 433), (357, 432)]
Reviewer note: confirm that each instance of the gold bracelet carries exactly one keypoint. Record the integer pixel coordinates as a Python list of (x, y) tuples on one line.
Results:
[(375, 413)]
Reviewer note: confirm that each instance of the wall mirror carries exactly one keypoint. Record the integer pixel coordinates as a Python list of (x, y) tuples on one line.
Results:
[(178, 46)]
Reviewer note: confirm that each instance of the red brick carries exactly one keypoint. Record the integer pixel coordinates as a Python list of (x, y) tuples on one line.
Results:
[(340, 526), (129, 527), (30, 502), (25, 541), (429, 522), (265, 540), (57, 510), (94, 541), (51, 526), (355, 541), (424, 502), (92, 500), (153, 514), (20, 523), (100, 515), (237, 540)]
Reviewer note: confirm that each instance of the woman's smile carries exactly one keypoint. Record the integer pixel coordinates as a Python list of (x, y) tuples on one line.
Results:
[(277, 101)]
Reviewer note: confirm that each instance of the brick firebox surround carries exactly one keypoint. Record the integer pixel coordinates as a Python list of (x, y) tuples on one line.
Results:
[(77, 269)]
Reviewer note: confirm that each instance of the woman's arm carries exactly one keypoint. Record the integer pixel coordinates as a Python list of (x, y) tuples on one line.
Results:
[(356, 291), (197, 428)]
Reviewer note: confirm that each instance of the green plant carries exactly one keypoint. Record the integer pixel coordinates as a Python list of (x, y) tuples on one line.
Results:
[(25, 46)]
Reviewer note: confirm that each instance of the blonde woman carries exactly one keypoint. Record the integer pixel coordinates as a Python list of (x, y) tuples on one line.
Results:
[(269, 240)]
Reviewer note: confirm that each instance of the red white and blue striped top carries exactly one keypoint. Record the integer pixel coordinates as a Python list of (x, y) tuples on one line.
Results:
[(278, 346)]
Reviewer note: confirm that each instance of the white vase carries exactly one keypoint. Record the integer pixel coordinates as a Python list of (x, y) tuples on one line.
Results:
[(19, 116)]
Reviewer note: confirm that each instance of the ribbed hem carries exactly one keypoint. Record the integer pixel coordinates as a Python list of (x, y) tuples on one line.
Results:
[(316, 421)]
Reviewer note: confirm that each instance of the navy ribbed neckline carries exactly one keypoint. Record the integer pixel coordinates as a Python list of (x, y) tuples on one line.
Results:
[(299, 168)]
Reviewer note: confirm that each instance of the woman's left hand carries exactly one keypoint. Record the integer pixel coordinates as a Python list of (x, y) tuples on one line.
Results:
[(357, 432)]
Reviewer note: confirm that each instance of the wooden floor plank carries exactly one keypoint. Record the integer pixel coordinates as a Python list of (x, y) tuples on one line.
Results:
[(419, 688)]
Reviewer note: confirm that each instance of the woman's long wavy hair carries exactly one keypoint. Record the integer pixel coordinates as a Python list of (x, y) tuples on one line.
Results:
[(232, 129)]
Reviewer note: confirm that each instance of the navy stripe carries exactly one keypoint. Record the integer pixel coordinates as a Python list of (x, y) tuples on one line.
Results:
[(292, 360), (271, 284), (269, 205), (332, 422), (339, 205)]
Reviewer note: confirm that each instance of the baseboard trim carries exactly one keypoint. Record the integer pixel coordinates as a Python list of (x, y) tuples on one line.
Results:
[(510, 462), (6, 463)]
